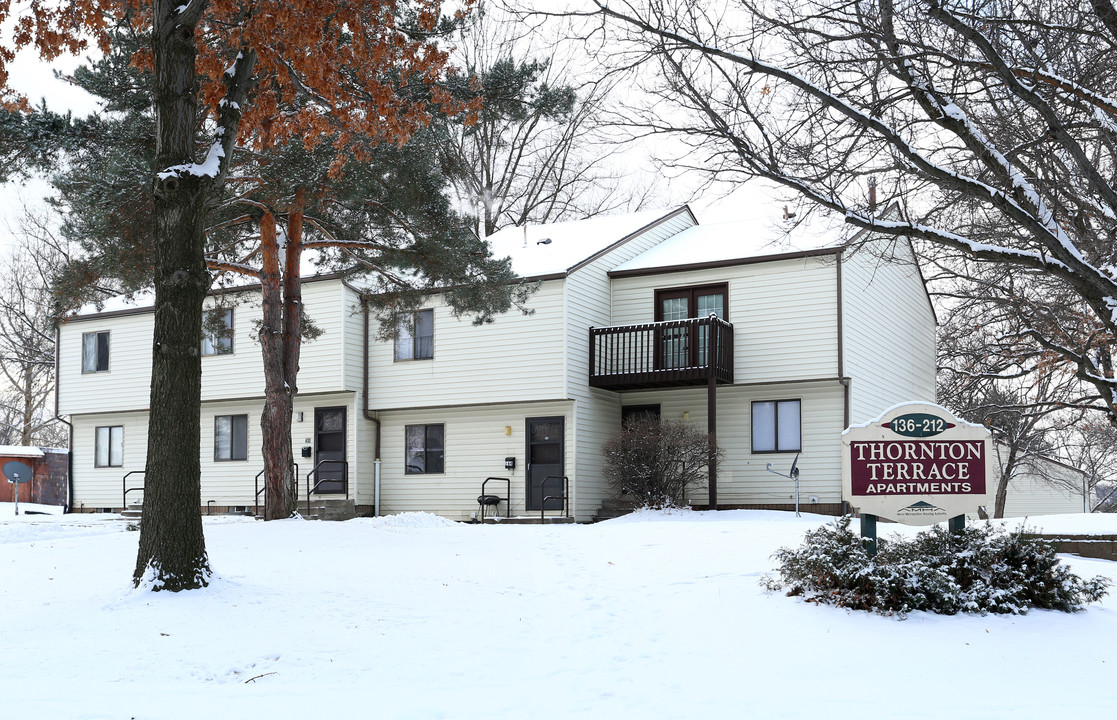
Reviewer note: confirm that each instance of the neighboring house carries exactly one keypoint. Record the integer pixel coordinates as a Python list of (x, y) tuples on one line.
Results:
[(807, 337), (49, 468)]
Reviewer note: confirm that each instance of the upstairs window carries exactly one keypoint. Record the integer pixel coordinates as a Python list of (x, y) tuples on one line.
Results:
[(109, 446), (217, 332), (776, 426), (95, 352), (230, 437), (415, 335)]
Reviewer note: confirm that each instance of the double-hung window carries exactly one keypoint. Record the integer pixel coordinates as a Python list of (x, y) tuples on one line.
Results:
[(95, 352), (776, 426), (217, 332), (415, 335), (424, 449), (230, 437), (108, 448)]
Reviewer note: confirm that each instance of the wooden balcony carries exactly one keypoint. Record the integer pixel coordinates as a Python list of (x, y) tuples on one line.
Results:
[(674, 353)]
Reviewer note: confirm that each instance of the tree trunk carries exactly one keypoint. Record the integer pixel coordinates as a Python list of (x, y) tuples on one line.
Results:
[(1007, 471), (172, 552), (275, 423)]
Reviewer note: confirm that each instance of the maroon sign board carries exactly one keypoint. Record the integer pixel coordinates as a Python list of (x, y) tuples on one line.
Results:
[(917, 464)]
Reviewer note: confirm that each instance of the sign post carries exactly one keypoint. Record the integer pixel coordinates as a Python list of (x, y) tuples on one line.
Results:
[(916, 464)]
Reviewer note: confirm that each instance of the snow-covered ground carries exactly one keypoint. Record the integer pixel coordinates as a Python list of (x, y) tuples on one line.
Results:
[(652, 615)]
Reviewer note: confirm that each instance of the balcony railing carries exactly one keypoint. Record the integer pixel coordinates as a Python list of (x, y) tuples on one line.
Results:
[(662, 354)]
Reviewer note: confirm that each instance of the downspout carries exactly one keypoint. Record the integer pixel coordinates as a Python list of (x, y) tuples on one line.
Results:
[(841, 347), (368, 416), (70, 440)]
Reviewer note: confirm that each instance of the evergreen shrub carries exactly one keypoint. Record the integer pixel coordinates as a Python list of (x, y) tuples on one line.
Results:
[(981, 569)]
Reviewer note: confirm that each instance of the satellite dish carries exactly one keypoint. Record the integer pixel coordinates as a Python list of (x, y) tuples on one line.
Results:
[(18, 472), (794, 470)]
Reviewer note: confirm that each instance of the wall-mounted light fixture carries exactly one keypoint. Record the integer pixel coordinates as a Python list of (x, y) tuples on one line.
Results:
[(508, 430), (299, 416), (686, 416)]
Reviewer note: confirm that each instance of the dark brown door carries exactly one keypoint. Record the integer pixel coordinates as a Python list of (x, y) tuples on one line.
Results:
[(329, 450), (545, 451)]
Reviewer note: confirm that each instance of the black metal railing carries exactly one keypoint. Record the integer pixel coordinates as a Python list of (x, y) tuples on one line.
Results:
[(318, 482), (256, 496), (661, 354), (125, 489), (486, 500), (565, 497)]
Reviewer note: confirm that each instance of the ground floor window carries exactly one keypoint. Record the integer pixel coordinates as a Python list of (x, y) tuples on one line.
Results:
[(230, 437), (776, 426), (109, 446), (424, 449)]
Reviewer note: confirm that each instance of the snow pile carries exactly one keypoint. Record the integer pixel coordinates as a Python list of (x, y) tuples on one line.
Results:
[(410, 520)]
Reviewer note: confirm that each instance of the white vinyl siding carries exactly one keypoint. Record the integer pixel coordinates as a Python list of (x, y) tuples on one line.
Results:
[(516, 357), (743, 477), (475, 447), (784, 314), (1040, 487), (888, 331), (126, 386)]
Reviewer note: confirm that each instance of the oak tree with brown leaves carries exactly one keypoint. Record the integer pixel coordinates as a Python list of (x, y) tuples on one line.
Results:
[(224, 70)]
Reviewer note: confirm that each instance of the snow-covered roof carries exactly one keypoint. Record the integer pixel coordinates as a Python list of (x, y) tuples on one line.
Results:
[(20, 451), (758, 229), (570, 242)]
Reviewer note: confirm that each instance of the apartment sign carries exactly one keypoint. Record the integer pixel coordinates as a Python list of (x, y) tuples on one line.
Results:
[(917, 464)]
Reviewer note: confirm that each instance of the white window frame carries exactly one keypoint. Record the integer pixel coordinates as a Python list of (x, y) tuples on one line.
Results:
[(223, 345), (108, 446), (91, 351), (232, 440), (408, 344), (776, 434)]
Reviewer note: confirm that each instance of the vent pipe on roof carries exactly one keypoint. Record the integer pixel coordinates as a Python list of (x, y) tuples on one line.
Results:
[(872, 194)]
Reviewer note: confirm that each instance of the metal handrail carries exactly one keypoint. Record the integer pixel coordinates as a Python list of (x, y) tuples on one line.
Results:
[(507, 496), (256, 485), (649, 353), (344, 480), (125, 489), (565, 497)]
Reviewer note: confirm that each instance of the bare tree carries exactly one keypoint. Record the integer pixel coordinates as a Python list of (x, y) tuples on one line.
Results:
[(989, 124), (537, 151), (27, 337)]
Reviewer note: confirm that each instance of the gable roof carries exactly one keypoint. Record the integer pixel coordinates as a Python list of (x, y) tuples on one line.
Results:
[(761, 231), (572, 243)]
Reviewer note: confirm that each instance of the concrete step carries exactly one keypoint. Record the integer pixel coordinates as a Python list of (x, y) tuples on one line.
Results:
[(132, 511), (329, 509)]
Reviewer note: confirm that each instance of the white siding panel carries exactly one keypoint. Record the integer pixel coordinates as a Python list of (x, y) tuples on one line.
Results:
[(784, 314), (475, 448), (1042, 487), (517, 357), (126, 385), (889, 332), (588, 304), (230, 482), (743, 478), (96, 487)]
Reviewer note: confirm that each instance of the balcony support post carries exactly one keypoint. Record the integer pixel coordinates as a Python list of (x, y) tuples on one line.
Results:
[(712, 428)]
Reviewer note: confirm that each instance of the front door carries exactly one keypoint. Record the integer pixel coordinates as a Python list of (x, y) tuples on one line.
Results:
[(329, 445), (545, 450)]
